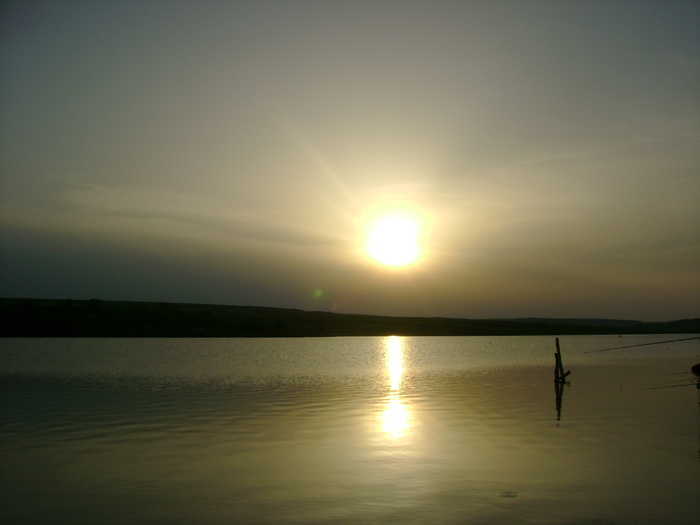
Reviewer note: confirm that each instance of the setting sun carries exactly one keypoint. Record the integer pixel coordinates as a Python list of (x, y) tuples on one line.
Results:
[(394, 240)]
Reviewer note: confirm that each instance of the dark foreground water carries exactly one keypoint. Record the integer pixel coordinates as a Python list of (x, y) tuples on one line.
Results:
[(348, 430)]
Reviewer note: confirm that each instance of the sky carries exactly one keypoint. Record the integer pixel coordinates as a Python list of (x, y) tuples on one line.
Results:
[(237, 153)]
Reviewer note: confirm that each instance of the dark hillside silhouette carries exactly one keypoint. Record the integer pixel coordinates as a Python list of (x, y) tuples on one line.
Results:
[(96, 318)]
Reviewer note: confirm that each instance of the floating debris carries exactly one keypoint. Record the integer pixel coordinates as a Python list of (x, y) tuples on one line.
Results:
[(508, 494)]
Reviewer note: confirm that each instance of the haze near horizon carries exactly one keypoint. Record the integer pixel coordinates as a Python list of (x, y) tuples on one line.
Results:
[(464, 159)]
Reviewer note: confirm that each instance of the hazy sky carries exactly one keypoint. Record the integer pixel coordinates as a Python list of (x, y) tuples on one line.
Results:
[(227, 152)]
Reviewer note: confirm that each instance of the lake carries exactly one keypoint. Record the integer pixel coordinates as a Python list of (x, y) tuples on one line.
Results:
[(424, 430)]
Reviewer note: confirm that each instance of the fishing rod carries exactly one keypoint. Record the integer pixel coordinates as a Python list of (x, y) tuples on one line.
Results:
[(679, 381), (642, 344), (672, 386), (695, 370)]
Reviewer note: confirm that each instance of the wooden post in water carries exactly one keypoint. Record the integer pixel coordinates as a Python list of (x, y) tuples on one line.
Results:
[(559, 375)]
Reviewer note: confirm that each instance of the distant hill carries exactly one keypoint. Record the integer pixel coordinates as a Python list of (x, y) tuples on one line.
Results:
[(96, 318), (582, 322)]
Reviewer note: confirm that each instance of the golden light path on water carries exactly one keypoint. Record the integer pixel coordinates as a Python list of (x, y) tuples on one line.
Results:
[(396, 416)]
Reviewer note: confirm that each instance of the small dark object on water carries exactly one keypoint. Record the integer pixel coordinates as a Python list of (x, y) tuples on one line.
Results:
[(507, 494), (696, 369)]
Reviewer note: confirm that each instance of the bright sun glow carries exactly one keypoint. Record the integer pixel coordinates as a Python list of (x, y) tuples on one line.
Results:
[(393, 240)]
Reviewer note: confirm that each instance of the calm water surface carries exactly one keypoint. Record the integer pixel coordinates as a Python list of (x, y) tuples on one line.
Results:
[(426, 430)]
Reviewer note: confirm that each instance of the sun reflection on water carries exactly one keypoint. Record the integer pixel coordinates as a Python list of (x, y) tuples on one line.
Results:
[(396, 416), (394, 361)]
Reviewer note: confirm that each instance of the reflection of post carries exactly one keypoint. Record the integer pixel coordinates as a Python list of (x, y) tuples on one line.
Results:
[(559, 393)]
